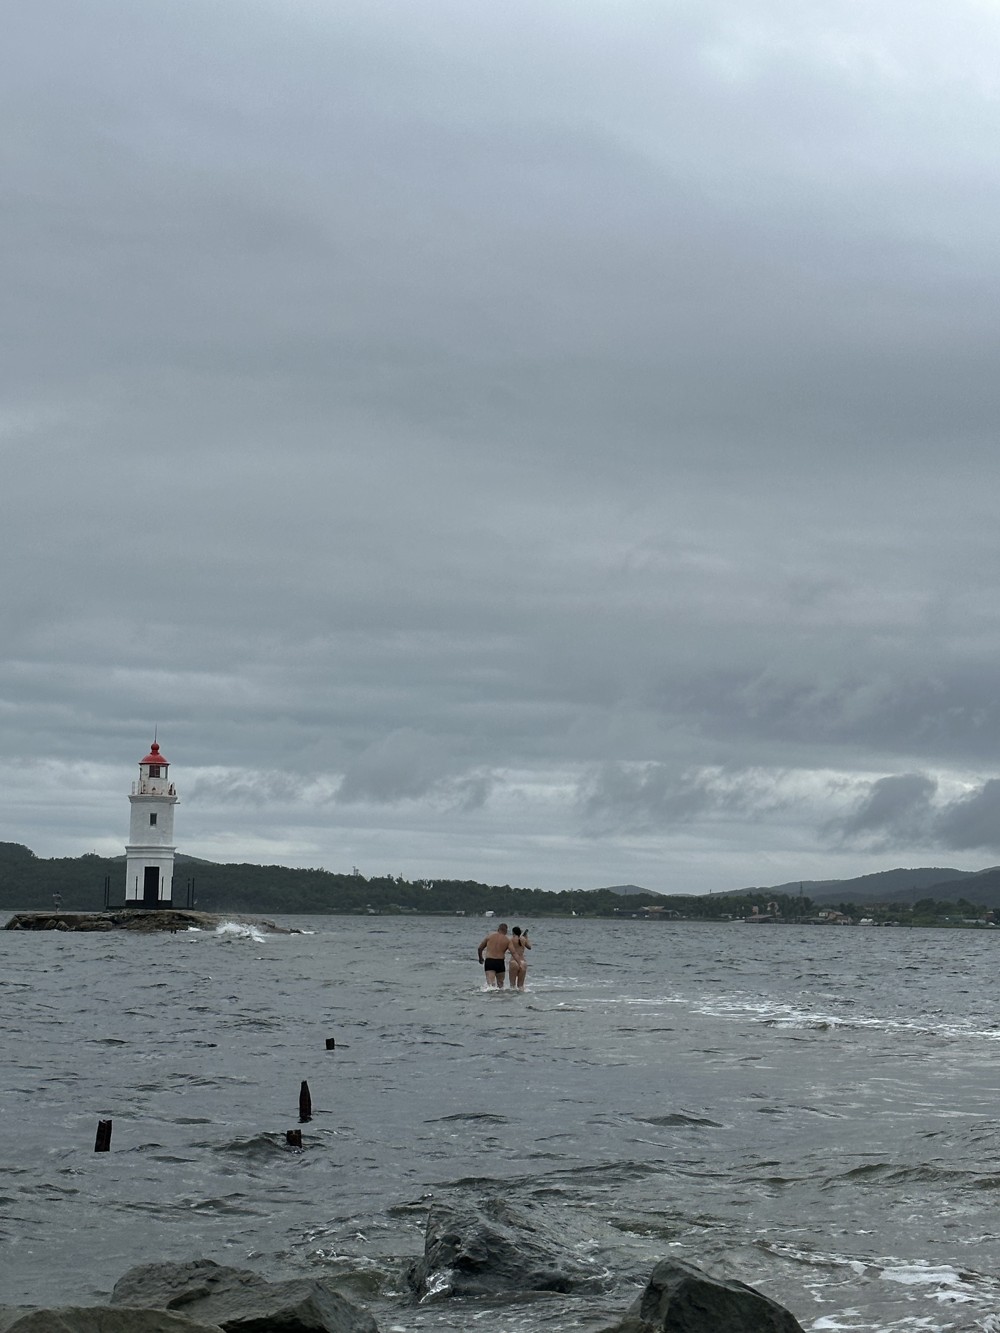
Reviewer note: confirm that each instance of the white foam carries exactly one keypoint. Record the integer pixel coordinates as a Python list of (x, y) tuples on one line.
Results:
[(952, 1289), (777, 1014), (920, 1274), (240, 930), (438, 1284)]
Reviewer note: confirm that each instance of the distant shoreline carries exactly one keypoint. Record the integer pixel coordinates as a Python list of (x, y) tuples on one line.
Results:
[(150, 921)]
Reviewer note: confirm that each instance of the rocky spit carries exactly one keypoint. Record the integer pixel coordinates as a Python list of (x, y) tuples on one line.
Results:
[(146, 920), (467, 1255)]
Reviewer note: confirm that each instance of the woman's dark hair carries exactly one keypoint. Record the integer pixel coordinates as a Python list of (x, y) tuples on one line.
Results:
[(517, 930)]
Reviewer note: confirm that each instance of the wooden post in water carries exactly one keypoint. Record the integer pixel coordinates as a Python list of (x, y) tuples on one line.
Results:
[(103, 1141), (305, 1103), (331, 1043), (293, 1137)]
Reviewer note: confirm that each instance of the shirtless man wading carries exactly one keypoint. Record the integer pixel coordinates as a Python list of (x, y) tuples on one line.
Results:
[(496, 947)]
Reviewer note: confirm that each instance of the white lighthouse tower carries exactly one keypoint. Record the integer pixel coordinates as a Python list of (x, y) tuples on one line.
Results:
[(149, 855)]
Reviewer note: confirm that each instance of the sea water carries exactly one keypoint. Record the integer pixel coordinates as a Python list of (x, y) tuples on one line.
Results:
[(810, 1110)]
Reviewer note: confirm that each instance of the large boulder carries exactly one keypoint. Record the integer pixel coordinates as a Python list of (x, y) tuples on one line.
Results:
[(240, 1301), (99, 1319), (681, 1298), (467, 1253)]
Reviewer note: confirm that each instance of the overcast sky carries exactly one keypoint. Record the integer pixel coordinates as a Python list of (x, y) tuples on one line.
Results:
[(550, 443)]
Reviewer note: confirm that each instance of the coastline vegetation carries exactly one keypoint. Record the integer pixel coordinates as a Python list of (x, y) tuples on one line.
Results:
[(90, 882)]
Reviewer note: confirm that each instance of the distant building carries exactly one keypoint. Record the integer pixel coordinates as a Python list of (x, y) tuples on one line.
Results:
[(149, 854), (772, 912)]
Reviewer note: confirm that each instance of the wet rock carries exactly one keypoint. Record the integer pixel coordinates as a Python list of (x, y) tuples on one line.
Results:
[(145, 920), (240, 1301), (469, 1254), (681, 1298), (98, 1319)]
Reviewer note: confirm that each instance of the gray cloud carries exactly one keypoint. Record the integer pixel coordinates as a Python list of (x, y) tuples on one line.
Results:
[(407, 765), (901, 811), (643, 797), (653, 796), (894, 811), (973, 821), (254, 788), (552, 440)]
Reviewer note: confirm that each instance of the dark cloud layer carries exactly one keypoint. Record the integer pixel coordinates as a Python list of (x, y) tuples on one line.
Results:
[(902, 812), (543, 443), (893, 811)]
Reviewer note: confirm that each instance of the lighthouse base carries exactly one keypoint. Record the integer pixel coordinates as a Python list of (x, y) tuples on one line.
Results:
[(149, 877)]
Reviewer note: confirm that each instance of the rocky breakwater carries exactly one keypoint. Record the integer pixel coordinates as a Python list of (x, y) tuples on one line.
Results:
[(146, 920), (200, 1297), (503, 1252), (469, 1256)]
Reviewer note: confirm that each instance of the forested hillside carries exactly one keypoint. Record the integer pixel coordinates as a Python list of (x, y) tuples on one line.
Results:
[(28, 881)]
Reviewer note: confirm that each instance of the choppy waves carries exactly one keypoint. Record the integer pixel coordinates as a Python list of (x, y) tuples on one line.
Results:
[(809, 1112)]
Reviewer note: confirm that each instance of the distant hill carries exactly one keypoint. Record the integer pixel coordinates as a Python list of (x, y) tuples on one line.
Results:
[(898, 885), (978, 886), (15, 853), (626, 890), (892, 886)]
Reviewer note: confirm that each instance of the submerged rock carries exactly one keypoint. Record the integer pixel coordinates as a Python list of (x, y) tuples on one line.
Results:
[(240, 1301), (99, 1319), (469, 1254), (681, 1298)]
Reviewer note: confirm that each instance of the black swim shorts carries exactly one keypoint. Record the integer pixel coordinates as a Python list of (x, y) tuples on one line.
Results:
[(494, 964)]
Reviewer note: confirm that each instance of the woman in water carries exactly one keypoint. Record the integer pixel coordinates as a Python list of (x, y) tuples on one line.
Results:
[(517, 968)]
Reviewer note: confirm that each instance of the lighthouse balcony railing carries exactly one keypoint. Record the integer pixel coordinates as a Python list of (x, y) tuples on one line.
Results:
[(145, 788)]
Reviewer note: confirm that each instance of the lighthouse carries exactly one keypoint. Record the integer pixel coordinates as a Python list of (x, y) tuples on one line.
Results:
[(149, 855)]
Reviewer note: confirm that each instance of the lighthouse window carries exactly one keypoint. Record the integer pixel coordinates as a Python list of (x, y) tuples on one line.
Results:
[(152, 819), (154, 770)]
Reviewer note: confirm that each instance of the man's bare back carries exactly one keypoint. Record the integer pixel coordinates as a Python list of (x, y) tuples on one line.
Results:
[(496, 946)]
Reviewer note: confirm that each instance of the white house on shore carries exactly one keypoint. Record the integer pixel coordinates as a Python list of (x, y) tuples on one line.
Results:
[(149, 854)]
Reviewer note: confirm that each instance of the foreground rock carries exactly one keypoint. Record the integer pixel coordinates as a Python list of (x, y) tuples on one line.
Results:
[(466, 1254), (98, 1319), (469, 1254), (681, 1298), (147, 920), (240, 1301)]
